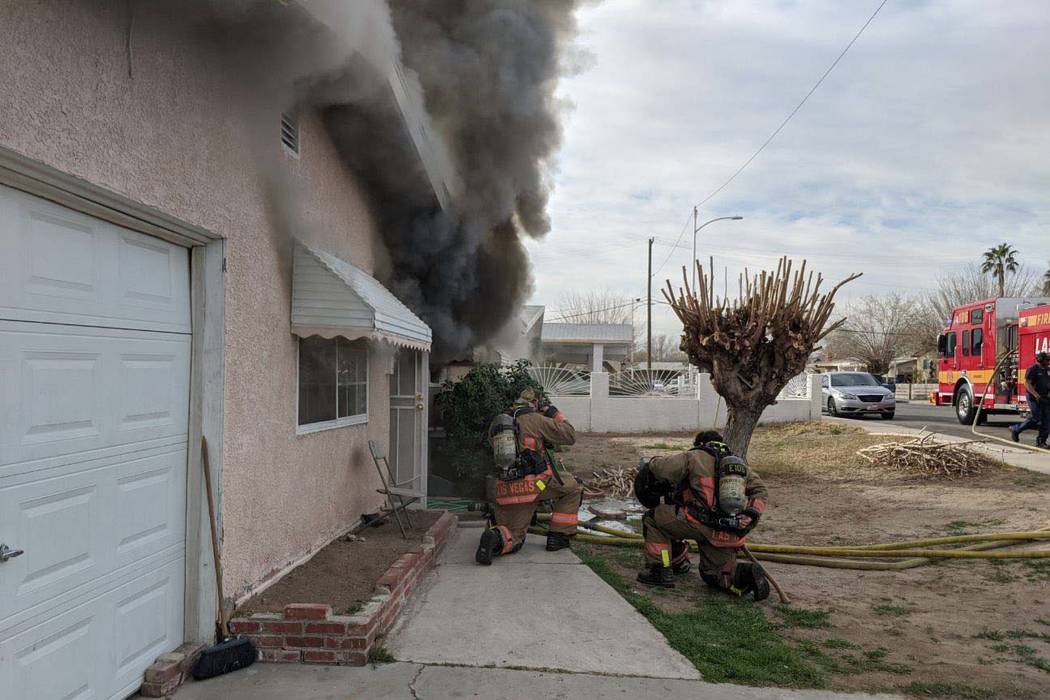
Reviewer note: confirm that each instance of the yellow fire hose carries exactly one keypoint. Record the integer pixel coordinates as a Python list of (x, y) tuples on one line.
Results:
[(895, 553), (905, 544), (913, 552)]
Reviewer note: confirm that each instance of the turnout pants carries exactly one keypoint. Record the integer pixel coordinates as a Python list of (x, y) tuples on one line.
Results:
[(666, 530), (1040, 419), (513, 520)]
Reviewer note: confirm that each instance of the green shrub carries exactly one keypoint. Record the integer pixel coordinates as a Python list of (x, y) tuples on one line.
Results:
[(467, 406)]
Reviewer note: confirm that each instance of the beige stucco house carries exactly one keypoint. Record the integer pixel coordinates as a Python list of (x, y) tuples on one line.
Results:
[(181, 256)]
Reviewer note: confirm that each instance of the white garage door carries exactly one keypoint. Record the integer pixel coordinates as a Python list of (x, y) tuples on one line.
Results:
[(94, 394)]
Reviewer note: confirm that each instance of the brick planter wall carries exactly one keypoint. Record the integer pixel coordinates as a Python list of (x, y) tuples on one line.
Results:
[(310, 633)]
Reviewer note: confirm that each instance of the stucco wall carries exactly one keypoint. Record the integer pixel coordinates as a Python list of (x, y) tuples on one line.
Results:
[(158, 113)]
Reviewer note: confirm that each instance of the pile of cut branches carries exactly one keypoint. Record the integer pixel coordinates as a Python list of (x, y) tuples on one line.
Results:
[(611, 482), (925, 456)]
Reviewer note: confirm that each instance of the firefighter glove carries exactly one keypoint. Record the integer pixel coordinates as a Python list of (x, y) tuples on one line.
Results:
[(550, 410), (747, 520)]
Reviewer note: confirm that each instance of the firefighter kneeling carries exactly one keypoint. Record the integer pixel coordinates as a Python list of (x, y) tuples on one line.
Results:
[(529, 476), (705, 494)]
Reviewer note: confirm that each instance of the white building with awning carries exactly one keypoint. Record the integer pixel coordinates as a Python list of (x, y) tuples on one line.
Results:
[(332, 297), (591, 345)]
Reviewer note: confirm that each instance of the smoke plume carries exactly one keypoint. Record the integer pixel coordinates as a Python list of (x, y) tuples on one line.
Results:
[(486, 71)]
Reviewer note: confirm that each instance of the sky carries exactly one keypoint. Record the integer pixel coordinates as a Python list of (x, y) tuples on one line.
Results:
[(928, 143)]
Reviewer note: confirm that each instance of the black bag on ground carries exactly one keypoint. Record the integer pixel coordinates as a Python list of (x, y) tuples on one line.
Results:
[(234, 653)]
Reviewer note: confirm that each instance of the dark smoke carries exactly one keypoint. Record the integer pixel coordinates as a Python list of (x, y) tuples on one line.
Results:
[(488, 70)]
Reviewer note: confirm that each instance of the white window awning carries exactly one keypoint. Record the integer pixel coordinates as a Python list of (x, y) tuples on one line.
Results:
[(332, 297)]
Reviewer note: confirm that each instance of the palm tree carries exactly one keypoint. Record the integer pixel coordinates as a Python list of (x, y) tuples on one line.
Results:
[(998, 260)]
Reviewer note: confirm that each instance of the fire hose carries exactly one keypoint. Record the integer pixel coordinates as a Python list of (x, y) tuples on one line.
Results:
[(914, 552)]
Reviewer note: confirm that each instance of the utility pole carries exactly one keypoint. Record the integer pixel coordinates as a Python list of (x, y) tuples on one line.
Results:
[(649, 332)]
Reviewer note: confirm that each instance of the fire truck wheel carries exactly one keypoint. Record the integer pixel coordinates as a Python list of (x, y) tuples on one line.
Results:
[(964, 408)]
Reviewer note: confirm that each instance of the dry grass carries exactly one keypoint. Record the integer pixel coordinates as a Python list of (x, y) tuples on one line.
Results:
[(822, 492), (816, 449), (825, 451), (608, 462)]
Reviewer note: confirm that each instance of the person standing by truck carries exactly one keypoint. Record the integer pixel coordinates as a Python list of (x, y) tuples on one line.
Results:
[(1037, 389)]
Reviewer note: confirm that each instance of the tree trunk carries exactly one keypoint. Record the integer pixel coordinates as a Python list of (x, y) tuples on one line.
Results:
[(739, 427)]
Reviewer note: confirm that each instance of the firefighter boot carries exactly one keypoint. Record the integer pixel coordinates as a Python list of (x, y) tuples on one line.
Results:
[(751, 578), (657, 575), (491, 546), (680, 557), (556, 541)]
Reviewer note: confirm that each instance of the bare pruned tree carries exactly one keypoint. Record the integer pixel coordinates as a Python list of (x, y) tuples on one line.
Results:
[(755, 344), (881, 329)]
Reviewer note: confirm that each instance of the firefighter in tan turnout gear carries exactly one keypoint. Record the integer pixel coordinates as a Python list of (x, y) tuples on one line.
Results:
[(705, 494), (529, 476)]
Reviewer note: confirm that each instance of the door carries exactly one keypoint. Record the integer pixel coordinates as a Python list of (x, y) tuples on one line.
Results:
[(94, 370), (408, 420)]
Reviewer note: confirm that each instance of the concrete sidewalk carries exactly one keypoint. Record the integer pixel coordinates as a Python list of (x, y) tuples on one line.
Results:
[(534, 609), (1036, 461), (534, 625), (401, 681)]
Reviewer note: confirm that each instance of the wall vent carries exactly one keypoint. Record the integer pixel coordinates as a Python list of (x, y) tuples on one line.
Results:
[(290, 131)]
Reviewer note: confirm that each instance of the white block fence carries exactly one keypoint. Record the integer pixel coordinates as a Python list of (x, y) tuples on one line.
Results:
[(601, 413)]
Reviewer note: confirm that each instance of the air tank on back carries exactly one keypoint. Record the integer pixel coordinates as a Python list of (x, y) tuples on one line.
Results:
[(504, 442)]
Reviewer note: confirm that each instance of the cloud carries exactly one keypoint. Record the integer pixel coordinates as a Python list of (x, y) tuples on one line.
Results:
[(925, 146)]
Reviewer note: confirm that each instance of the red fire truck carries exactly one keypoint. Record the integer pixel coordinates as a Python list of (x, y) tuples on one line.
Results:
[(978, 336)]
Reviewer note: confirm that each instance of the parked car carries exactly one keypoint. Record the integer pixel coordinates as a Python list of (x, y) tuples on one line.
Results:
[(857, 393)]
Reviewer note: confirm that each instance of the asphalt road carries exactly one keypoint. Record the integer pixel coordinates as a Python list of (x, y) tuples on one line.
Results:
[(941, 419)]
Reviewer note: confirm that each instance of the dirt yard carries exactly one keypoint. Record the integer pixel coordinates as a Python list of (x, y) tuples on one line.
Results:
[(976, 629), (344, 573)]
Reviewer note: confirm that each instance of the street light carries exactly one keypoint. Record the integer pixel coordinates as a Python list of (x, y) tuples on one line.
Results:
[(696, 229)]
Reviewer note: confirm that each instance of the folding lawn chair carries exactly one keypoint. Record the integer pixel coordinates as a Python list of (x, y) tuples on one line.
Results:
[(392, 489)]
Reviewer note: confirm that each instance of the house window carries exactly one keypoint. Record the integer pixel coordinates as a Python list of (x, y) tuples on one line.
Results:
[(333, 383), (290, 132)]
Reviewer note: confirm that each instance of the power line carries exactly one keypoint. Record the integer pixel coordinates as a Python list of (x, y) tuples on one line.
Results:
[(885, 334), (562, 316), (796, 109), (677, 241)]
